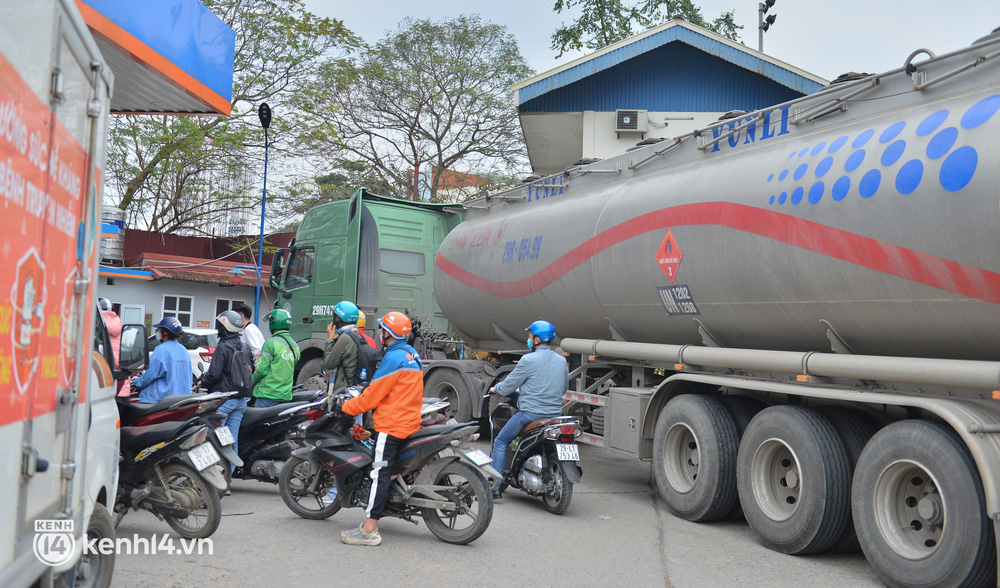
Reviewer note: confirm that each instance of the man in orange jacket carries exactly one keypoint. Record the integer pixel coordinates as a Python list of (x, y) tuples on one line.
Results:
[(396, 393)]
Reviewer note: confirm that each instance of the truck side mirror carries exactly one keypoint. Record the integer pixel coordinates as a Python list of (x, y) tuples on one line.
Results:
[(134, 351)]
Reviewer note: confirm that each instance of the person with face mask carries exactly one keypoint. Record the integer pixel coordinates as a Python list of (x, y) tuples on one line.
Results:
[(229, 325), (541, 378), (276, 366), (169, 369)]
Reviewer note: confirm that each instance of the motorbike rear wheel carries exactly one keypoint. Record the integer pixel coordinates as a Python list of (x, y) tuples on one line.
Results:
[(557, 499), (200, 500), (474, 505), (293, 484)]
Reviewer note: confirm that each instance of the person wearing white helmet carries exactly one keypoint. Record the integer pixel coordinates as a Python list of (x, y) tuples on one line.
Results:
[(229, 325)]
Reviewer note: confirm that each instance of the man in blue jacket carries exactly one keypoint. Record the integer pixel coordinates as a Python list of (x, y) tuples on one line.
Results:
[(542, 377), (169, 369)]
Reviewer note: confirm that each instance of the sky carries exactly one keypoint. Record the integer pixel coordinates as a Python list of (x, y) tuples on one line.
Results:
[(822, 37)]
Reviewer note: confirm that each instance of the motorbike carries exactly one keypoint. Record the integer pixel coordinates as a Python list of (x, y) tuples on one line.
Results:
[(437, 476), (269, 435), (171, 470), (545, 461)]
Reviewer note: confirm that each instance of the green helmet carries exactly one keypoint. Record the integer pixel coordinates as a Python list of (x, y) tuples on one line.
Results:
[(279, 319)]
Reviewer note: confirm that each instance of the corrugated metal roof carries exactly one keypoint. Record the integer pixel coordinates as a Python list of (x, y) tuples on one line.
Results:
[(675, 31), (670, 78)]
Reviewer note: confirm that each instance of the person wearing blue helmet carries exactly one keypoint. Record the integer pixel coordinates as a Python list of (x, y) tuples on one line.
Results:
[(540, 378), (340, 355), (169, 370)]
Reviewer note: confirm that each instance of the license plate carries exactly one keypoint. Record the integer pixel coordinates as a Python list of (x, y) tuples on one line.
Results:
[(567, 452), (225, 435), (478, 457), (203, 456)]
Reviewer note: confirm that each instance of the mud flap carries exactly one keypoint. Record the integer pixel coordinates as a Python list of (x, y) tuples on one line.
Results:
[(573, 471), (215, 476), (228, 453), (432, 469)]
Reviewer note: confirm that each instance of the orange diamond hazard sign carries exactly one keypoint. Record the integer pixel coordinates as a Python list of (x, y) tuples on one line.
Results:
[(669, 256)]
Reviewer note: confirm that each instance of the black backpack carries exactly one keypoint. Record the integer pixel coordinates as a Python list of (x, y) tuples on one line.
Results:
[(241, 372), (368, 358)]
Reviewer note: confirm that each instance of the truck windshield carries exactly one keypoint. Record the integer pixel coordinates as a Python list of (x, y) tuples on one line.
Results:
[(300, 268)]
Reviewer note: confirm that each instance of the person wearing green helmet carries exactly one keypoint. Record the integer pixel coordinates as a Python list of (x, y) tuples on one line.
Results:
[(276, 366)]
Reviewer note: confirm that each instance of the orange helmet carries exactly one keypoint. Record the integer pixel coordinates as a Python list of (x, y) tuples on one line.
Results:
[(396, 324)]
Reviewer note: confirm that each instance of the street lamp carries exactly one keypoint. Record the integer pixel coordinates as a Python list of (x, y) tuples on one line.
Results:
[(264, 114), (762, 23)]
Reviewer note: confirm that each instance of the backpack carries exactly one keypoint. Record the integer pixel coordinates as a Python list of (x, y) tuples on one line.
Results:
[(368, 357), (240, 372)]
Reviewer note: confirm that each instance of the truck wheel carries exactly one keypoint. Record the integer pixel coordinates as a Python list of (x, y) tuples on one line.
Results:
[(742, 409), (855, 428), (793, 479), (449, 385), (919, 508), (311, 375), (694, 457), (94, 570)]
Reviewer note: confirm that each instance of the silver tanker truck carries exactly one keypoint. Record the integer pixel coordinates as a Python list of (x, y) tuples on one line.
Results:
[(793, 313)]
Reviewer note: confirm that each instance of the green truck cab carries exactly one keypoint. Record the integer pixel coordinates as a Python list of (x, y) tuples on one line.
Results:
[(375, 251)]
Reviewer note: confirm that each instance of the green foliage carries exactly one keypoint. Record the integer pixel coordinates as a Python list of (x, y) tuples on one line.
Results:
[(173, 173), (431, 95), (603, 22)]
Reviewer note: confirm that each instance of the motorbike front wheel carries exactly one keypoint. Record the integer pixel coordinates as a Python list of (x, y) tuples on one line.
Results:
[(473, 502), (293, 485), (556, 500), (194, 495)]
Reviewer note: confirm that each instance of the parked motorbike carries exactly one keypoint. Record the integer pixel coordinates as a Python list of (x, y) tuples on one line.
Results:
[(171, 470), (269, 435), (544, 462), (447, 485)]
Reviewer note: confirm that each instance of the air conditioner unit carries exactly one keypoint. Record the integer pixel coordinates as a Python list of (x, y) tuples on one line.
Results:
[(635, 121)]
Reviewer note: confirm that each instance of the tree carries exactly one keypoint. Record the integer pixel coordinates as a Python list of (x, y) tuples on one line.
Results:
[(431, 96), (603, 22), (173, 173)]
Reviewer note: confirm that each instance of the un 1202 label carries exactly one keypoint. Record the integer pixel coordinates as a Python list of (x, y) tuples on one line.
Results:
[(678, 300)]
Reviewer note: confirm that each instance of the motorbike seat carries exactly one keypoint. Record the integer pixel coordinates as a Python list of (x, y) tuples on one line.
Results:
[(305, 395), (138, 438), (130, 411), (548, 421), (254, 415), (436, 430)]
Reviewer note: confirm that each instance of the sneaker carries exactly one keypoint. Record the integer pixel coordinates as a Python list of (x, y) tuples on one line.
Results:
[(229, 492), (359, 537), (497, 495)]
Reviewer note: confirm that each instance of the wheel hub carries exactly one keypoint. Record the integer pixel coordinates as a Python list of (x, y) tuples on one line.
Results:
[(682, 458), (913, 511), (776, 480)]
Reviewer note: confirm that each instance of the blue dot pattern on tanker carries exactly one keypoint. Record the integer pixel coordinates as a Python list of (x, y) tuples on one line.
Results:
[(956, 170)]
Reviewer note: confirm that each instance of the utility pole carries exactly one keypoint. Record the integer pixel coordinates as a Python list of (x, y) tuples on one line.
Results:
[(264, 114), (762, 23)]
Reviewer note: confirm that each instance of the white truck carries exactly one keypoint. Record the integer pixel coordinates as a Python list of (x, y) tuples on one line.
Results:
[(58, 418)]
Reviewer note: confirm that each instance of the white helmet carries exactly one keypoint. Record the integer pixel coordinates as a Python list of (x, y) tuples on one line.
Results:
[(230, 321)]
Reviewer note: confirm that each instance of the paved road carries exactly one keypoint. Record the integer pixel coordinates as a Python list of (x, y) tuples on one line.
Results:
[(617, 532)]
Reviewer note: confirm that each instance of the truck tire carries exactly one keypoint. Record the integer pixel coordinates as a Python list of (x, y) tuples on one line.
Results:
[(695, 444), (94, 570), (855, 428), (793, 479), (742, 409), (919, 508), (311, 375), (597, 421), (449, 385)]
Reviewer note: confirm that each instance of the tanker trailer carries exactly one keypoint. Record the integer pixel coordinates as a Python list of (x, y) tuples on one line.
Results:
[(792, 313)]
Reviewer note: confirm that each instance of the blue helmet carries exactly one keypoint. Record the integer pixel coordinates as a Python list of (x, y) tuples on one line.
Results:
[(171, 324), (346, 311), (543, 330)]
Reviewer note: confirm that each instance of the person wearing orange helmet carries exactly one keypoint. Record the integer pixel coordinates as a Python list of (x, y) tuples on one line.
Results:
[(396, 393)]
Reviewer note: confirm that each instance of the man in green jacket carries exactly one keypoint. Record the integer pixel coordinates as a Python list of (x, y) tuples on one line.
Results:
[(340, 356), (276, 366)]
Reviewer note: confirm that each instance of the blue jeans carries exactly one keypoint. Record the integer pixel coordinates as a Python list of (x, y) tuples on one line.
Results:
[(510, 432), (266, 403), (234, 409)]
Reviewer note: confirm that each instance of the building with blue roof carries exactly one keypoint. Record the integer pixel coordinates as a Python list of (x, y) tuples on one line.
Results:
[(664, 82)]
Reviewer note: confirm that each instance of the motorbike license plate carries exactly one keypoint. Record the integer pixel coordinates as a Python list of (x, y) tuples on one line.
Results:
[(478, 457), (567, 452), (203, 456), (225, 435)]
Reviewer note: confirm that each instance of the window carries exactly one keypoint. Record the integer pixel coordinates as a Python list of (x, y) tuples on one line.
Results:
[(178, 306), (406, 263), (222, 305), (300, 268)]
